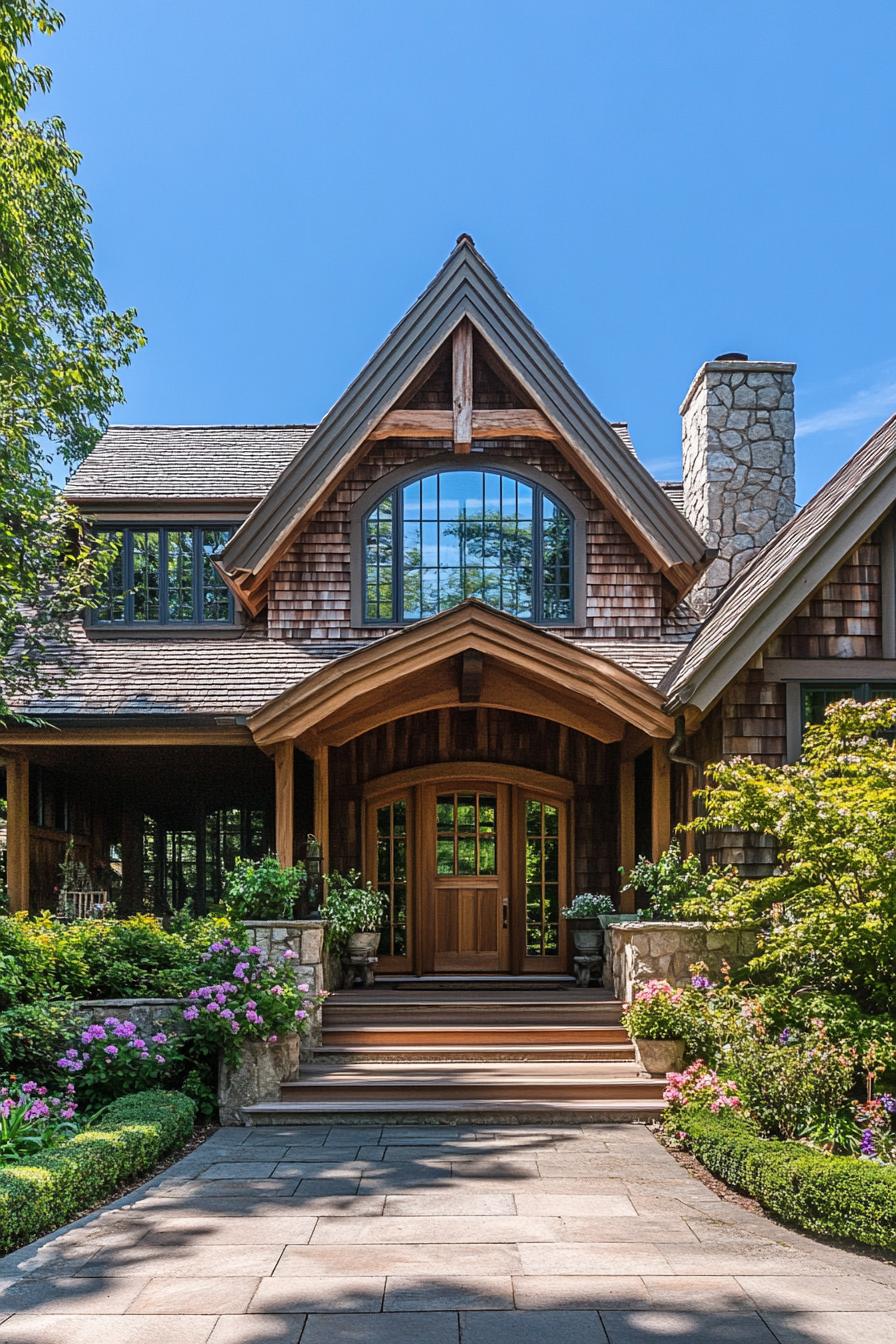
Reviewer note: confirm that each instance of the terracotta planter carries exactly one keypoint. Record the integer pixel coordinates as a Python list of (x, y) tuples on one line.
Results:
[(587, 936), (364, 944), (256, 1076), (660, 1057)]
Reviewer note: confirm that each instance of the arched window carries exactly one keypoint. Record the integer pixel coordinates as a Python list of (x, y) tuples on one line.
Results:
[(437, 539)]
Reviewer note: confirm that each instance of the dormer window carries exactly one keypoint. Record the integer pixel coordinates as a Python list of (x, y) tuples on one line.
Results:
[(437, 539), (164, 576)]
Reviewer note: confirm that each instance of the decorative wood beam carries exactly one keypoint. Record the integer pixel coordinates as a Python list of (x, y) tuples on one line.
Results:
[(462, 385), (414, 425), (18, 834), (284, 795), (235, 736), (515, 422), (471, 663)]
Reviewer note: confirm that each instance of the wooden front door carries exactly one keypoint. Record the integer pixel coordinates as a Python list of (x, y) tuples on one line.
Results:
[(466, 875), (475, 864)]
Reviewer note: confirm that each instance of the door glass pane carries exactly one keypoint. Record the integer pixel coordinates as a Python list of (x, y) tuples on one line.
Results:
[(466, 836), (542, 878), (392, 875)]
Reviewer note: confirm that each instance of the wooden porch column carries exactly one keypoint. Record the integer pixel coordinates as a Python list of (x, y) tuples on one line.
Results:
[(284, 793), (322, 802), (132, 881), (627, 828), (661, 805), (18, 833)]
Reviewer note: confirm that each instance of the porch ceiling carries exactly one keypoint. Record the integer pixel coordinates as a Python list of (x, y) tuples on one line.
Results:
[(469, 656)]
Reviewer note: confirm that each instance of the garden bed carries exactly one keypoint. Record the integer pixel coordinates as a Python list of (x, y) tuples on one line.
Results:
[(52, 1188), (844, 1198)]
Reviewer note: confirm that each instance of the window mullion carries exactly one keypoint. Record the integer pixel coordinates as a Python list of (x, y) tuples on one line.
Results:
[(398, 555)]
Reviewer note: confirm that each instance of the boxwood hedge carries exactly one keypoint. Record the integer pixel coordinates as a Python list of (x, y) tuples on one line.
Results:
[(846, 1197), (52, 1188)]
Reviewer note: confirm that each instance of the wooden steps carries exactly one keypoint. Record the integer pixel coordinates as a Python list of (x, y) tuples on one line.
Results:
[(443, 1055)]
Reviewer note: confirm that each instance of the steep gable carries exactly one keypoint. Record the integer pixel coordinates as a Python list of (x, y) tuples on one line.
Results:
[(464, 289)]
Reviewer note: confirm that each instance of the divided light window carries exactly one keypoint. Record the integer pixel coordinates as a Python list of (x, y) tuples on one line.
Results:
[(814, 699), (164, 576), (441, 538)]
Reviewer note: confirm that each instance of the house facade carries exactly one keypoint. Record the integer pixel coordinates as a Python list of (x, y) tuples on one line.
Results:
[(456, 631)]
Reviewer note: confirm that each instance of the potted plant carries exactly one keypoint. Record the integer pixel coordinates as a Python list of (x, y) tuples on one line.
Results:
[(656, 1020), (354, 912), (584, 915), (263, 889)]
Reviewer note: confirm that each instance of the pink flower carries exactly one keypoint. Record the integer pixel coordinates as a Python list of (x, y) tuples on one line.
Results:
[(160, 1059), (289, 955), (111, 1050), (303, 989)]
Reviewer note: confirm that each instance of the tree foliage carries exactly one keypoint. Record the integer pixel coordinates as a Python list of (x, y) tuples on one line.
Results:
[(60, 349), (828, 913)]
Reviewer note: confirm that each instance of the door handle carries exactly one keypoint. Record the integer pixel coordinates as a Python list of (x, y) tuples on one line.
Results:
[(505, 911)]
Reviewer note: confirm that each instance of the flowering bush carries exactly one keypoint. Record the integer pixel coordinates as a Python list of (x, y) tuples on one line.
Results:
[(31, 1120), (246, 997), (676, 887), (658, 1013), (588, 905), (115, 1059), (699, 1087)]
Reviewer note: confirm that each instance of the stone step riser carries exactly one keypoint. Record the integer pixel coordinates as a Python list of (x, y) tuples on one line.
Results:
[(454, 1038)]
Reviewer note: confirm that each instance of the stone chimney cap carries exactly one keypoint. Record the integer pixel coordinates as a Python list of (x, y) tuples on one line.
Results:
[(741, 362)]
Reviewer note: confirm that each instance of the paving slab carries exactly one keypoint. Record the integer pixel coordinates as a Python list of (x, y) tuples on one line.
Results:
[(477, 1293), (579, 1292), (297, 1294), (257, 1330), (684, 1327), (531, 1327), (833, 1327), (194, 1297), (104, 1330), (426, 1327)]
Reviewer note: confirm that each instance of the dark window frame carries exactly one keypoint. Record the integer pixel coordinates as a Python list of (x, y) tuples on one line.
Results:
[(540, 493), (165, 622)]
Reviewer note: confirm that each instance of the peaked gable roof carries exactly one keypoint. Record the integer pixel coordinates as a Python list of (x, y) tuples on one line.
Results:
[(786, 572), (465, 287)]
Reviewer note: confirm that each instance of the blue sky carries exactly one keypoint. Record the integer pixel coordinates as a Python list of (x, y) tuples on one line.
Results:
[(654, 182)]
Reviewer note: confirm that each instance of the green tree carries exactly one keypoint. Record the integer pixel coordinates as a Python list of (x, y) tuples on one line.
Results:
[(828, 914), (60, 349)]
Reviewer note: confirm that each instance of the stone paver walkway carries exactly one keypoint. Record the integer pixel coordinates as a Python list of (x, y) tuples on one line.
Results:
[(400, 1235)]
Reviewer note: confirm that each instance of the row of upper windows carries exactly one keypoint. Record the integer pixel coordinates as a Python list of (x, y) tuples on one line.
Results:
[(427, 545), (164, 576)]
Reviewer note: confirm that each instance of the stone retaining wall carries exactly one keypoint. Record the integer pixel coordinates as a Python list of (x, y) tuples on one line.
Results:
[(148, 1015), (304, 937), (652, 950)]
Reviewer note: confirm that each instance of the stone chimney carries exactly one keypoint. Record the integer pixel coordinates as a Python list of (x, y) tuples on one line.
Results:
[(738, 462)]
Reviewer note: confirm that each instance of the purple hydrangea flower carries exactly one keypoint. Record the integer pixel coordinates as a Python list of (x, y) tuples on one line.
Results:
[(869, 1148), (111, 1050), (190, 1014), (888, 1101), (160, 1038)]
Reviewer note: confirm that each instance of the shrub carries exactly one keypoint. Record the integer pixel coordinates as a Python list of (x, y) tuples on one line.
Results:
[(835, 1196), (113, 1060), (33, 1036), (675, 887), (33, 1119), (88, 1169), (701, 1087), (352, 906), (120, 958), (787, 1084), (658, 1013), (262, 889), (828, 914), (26, 959), (588, 905), (246, 997)]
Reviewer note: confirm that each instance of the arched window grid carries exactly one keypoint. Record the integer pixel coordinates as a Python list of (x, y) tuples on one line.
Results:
[(425, 548)]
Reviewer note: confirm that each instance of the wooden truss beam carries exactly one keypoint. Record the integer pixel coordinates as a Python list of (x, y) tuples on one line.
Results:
[(517, 422), (462, 386)]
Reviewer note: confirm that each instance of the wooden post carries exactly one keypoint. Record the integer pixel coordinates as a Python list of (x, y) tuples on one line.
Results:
[(132, 882), (627, 828), (18, 833), (322, 803), (462, 385), (284, 794), (661, 799)]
